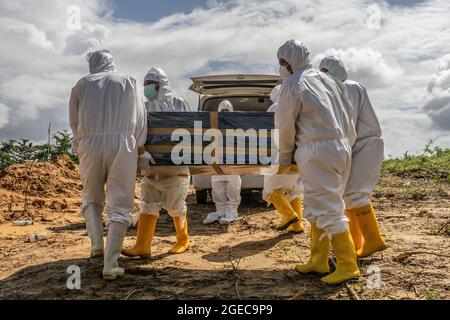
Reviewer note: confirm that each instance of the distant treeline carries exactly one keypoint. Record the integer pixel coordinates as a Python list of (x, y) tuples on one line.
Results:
[(23, 150)]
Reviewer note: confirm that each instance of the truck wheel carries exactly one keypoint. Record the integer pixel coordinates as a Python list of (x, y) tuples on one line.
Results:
[(202, 196)]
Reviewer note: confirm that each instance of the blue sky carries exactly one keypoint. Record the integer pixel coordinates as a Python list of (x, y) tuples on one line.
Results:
[(145, 10), (152, 10)]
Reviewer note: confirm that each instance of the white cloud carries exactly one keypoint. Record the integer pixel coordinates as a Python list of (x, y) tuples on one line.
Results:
[(26, 32), (438, 104), (364, 65), (44, 59), (4, 115), (396, 123)]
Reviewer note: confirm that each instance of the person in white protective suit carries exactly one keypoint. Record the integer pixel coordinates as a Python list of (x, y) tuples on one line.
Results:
[(161, 191), (285, 192), (109, 123), (314, 117), (368, 155), (159, 96), (226, 190)]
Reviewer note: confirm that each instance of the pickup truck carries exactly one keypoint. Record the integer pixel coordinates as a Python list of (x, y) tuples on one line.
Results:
[(246, 93)]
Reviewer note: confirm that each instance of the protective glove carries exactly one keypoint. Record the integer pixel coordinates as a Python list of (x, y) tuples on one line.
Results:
[(145, 160)]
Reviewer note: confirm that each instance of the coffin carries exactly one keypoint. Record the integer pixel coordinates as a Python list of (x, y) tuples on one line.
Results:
[(212, 143)]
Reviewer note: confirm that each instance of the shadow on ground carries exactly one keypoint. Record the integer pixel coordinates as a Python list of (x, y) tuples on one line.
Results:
[(245, 249), (144, 281)]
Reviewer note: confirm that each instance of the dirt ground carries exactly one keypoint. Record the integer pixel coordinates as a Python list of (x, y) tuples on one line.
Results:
[(247, 260)]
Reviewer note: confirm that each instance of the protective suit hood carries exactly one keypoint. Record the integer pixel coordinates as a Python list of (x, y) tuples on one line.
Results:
[(158, 75), (100, 61), (275, 94), (296, 54), (225, 105), (335, 67)]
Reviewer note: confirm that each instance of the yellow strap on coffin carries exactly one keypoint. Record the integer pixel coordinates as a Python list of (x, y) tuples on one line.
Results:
[(214, 120)]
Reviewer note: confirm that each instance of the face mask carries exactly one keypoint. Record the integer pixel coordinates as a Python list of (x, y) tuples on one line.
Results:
[(284, 73), (150, 92)]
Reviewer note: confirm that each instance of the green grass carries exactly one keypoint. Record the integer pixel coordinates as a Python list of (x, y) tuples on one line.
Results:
[(433, 164), (431, 295)]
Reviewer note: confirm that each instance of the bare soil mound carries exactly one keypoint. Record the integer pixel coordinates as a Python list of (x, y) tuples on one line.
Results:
[(43, 179), (33, 190)]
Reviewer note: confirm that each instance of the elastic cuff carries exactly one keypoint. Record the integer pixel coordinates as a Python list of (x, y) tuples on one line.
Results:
[(357, 201), (177, 213), (146, 207), (335, 229), (119, 210), (126, 220)]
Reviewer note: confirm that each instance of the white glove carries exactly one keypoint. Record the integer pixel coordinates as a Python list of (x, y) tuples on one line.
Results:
[(144, 160)]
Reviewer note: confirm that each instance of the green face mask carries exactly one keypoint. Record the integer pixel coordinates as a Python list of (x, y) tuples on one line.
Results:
[(150, 92)]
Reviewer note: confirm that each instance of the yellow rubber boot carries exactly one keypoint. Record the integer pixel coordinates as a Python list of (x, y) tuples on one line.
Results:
[(320, 253), (145, 232), (298, 227), (346, 265), (368, 223), (283, 206), (354, 229), (183, 242)]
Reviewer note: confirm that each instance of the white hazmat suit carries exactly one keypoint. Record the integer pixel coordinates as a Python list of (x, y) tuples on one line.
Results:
[(109, 123), (314, 115), (367, 158), (162, 191), (165, 192), (368, 150), (226, 190), (165, 102)]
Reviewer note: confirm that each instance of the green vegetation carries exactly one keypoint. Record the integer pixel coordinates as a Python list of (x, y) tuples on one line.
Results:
[(432, 164), (432, 295), (17, 152)]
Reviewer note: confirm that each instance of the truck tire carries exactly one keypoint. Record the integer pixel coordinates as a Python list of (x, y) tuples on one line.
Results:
[(202, 196)]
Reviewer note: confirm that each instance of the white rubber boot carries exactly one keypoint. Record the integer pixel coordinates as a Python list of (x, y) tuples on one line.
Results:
[(114, 242), (94, 228), (213, 217)]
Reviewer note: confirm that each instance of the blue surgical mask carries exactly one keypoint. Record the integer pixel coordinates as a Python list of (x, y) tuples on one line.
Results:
[(150, 92)]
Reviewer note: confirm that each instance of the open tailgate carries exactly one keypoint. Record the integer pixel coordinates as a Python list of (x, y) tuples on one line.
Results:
[(235, 84)]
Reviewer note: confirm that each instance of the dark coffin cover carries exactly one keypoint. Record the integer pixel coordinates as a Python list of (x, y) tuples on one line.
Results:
[(162, 124)]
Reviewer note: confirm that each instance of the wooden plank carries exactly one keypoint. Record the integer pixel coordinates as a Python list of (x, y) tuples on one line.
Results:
[(203, 170)]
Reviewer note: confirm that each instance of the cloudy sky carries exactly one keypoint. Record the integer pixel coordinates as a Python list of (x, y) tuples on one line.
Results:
[(399, 49)]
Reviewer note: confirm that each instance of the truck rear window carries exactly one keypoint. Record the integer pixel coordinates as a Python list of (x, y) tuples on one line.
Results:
[(257, 103)]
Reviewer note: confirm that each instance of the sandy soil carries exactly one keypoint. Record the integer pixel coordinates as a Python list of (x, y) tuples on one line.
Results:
[(247, 260)]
